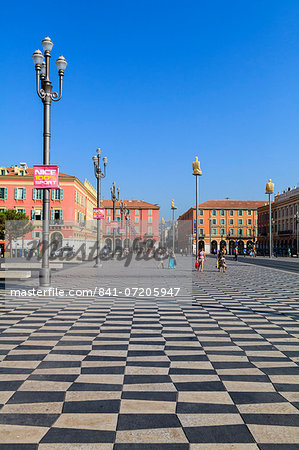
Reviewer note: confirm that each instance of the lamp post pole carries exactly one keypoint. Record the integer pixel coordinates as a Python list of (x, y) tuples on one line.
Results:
[(296, 218), (173, 233), (162, 231), (114, 199), (127, 219), (269, 191), (99, 175), (44, 91), (122, 207), (196, 172)]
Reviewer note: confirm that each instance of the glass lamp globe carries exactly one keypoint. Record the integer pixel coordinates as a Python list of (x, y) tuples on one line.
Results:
[(47, 44), (61, 63), (37, 57)]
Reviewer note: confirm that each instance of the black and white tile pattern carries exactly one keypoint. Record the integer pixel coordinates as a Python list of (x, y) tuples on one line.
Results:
[(218, 372)]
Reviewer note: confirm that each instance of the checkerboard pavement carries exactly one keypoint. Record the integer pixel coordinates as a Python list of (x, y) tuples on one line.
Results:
[(218, 372)]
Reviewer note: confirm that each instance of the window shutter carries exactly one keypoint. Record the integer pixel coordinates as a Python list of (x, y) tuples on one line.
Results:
[(5, 193), (53, 194), (24, 193), (33, 214), (61, 194), (52, 213), (60, 214), (34, 193), (16, 193)]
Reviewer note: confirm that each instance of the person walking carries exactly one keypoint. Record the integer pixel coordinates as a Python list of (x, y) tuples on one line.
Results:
[(236, 253), (200, 259), (221, 263), (161, 259), (172, 261)]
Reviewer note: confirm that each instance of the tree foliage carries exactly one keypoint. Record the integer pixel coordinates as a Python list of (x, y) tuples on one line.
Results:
[(14, 224)]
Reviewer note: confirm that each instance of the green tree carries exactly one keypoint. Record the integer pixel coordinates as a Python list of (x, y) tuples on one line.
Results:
[(13, 225)]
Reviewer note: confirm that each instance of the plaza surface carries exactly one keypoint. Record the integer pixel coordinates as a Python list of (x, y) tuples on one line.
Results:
[(215, 367)]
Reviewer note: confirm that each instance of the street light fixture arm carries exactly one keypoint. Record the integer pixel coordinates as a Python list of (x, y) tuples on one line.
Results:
[(40, 92), (55, 97)]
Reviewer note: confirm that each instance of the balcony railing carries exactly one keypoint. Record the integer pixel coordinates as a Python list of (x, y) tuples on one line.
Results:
[(285, 232)]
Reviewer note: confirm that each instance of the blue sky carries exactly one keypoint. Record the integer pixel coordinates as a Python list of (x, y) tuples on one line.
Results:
[(154, 84)]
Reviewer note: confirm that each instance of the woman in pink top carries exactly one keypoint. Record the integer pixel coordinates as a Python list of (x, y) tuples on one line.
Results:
[(201, 258)]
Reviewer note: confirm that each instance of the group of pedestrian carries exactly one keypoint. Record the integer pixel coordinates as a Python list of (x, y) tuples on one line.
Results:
[(220, 262), (163, 254)]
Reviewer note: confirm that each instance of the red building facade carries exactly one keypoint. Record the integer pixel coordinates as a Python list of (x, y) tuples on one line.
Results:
[(140, 224)]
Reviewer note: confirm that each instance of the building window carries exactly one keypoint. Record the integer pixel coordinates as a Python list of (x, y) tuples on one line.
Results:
[(20, 193), (3, 193), (240, 221), (150, 212), (231, 212), (118, 212), (136, 212), (108, 212), (137, 229), (214, 221), (214, 212), (222, 212), (108, 229), (214, 231), (222, 221), (240, 232), (222, 231), (21, 210), (232, 221), (36, 214), (249, 212), (201, 232), (231, 231), (3, 172), (136, 219), (108, 219), (56, 214), (279, 213), (200, 212), (57, 194), (150, 219), (240, 212), (249, 232), (249, 221), (201, 221), (150, 230), (37, 194)]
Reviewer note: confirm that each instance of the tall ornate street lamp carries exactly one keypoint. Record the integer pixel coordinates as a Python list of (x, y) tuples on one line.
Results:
[(122, 207), (44, 91), (197, 173), (114, 198), (99, 175), (127, 219), (296, 219), (162, 231), (270, 191), (173, 234)]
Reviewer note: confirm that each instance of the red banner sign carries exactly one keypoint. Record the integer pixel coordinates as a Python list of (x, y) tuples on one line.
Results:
[(99, 213), (114, 224), (45, 176)]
